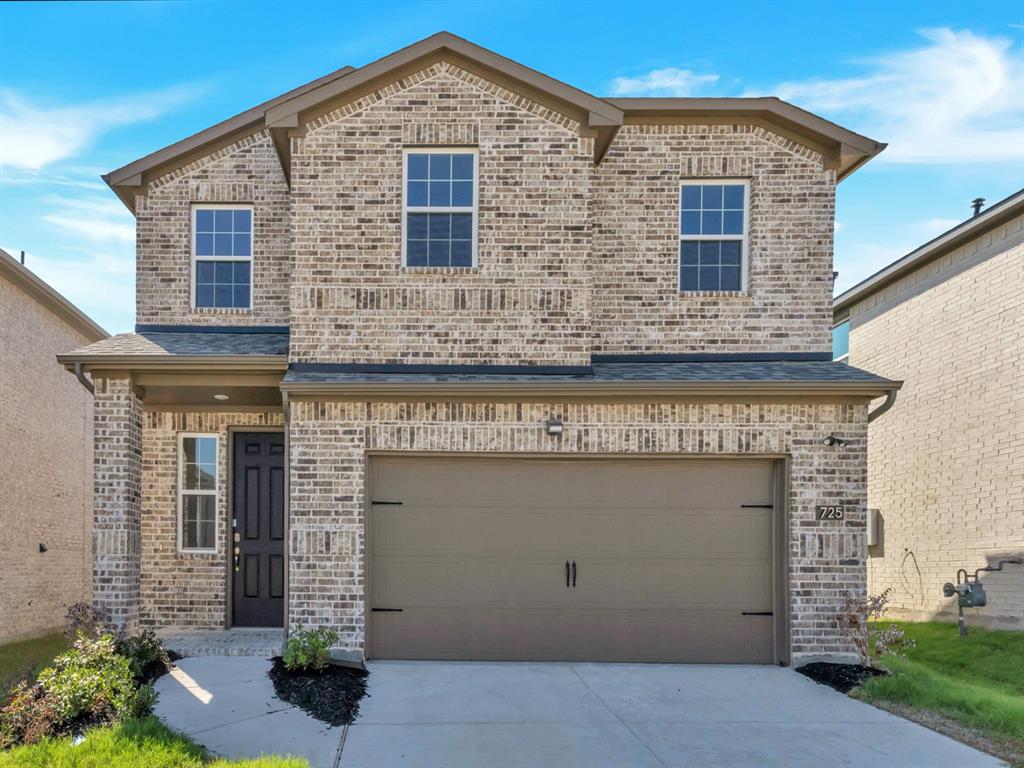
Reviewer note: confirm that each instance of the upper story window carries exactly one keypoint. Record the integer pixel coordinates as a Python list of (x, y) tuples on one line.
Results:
[(841, 342), (713, 236), (222, 256), (197, 492), (440, 208)]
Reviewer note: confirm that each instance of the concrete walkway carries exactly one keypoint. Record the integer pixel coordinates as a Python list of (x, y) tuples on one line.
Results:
[(472, 715)]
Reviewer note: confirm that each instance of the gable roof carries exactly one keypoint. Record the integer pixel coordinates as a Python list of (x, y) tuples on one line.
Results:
[(599, 118), (17, 273), (996, 214)]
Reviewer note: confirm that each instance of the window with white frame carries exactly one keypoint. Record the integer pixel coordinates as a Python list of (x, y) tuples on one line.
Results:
[(440, 207), (222, 256), (197, 492), (713, 224)]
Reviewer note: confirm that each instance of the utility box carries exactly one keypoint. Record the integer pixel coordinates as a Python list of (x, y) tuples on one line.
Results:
[(874, 527)]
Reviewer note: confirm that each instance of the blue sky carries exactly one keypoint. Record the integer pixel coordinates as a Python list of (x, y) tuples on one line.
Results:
[(88, 87)]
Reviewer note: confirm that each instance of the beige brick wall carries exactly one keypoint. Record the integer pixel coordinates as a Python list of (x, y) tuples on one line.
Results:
[(245, 172), (526, 301), (329, 441), (946, 464), (184, 589), (637, 306), (45, 469)]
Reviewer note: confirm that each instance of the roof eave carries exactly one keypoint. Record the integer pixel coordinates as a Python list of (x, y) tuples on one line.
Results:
[(594, 389), (963, 232), (180, 363)]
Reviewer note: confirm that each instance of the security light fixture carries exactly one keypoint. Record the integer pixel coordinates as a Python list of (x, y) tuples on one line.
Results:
[(833, 440), (554, 426), (220, 397)]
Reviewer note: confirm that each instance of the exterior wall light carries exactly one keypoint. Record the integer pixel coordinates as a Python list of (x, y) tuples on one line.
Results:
[(220, 397), (833, 440), (554, 426)]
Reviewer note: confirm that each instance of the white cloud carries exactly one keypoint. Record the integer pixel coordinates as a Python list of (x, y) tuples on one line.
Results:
[(958, 98), (93, 229), (34, 136), (662, 82)]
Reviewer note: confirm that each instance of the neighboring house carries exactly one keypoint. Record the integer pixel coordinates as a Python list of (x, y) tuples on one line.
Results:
[(46, 424), (946, 464), (464, 362)]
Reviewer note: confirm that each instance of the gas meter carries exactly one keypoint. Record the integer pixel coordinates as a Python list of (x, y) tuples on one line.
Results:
[(969, 591)]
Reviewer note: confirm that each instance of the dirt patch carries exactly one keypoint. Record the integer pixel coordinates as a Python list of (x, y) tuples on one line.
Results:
[(1010, 751), (332, 695), (843, 677)]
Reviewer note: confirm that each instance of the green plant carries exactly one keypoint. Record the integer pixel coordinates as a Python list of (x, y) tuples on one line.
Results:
[(858, 619), (308, 649), (145, 654), (91, 678)]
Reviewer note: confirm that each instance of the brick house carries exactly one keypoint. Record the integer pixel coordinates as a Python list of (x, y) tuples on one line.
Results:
[(464, 362), (46, 461), (946, 465)]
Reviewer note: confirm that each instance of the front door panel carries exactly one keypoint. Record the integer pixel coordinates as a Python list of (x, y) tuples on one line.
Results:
[(258, 530)]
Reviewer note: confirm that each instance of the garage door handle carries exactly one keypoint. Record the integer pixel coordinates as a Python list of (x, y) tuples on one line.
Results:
[(566, 574), (574, 574), (757, 613)]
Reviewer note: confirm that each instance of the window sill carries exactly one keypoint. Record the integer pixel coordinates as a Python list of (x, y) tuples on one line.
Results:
[(714, 294), (439, 270), (220, 310), (197, 552)]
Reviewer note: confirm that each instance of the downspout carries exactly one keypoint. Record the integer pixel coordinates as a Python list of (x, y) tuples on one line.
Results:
[(80, 375), (287, 510), (890, 399)]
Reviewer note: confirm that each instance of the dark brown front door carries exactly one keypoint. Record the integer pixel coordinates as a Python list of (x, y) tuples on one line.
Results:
[(258, 530)]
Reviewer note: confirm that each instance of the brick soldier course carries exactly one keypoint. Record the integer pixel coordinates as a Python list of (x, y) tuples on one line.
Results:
[(577, 265)]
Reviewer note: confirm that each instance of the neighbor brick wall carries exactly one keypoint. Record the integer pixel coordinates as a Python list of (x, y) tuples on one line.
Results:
[(185, 590), (946, 465), (117, 478), (525, 302), (45, 469), (329, 441), (637, 306), (247, 171)]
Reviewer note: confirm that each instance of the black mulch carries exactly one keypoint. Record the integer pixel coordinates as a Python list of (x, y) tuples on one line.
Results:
[(157, 669), (331, 695), (843, 677)]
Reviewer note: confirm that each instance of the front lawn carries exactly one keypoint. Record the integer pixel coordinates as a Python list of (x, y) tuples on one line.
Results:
[(28, 657), (975, 681), (144, 743)]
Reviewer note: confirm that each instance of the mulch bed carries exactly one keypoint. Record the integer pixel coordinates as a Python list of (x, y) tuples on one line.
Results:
[(158, 669), (332, 695), (843, 677)]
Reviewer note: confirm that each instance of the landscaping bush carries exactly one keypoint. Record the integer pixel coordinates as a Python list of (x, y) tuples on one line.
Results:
[(83, 619), (859, 619), (308, 649), (102, 679)]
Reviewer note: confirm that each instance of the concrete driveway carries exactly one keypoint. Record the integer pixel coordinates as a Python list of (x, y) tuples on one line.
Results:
[(496, 715)]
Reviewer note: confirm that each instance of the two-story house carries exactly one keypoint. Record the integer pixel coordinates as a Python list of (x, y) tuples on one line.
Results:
[(466, 363)]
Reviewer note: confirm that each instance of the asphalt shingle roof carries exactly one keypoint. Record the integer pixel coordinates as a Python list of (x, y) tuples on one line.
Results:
[(825, 372), (160, 343)]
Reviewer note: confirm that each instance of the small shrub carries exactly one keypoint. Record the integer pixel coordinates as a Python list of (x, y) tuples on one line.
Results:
[(100, 680), (855, 620), (145, 654), (83, 619), (308, 649)]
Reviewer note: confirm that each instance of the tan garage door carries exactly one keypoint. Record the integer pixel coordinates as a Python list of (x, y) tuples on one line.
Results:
[(673, 559)]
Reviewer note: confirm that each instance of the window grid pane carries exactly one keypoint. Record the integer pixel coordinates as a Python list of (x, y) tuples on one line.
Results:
[(709, 212), (198, 521), (223, 284), (199, 463)]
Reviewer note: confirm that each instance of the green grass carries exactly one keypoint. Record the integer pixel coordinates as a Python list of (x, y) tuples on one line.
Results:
[(133, 744), (977, 680), (28, 657)]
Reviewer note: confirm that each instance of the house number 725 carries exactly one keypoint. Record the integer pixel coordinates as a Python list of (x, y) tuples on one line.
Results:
[(827, 512)]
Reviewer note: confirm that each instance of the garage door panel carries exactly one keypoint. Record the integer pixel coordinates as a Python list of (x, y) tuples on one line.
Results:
[(668, 559)]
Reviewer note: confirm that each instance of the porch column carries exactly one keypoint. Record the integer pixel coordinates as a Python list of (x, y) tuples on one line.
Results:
[(117, 478)]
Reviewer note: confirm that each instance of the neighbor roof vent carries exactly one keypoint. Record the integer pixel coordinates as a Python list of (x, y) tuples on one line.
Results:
[(976, 204)]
